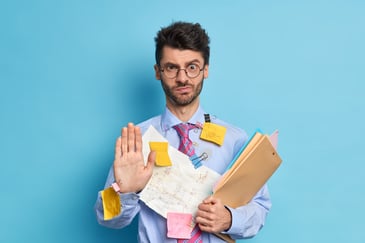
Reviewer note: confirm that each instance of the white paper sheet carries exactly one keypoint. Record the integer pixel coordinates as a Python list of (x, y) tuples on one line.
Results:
[(177, 188)]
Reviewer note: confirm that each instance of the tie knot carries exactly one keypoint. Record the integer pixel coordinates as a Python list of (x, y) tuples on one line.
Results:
[(183, 129)]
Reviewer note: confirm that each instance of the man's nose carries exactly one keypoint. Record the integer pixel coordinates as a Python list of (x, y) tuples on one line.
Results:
[(181, 75)]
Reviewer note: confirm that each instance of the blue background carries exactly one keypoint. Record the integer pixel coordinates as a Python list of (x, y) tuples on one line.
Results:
[(74, 72)]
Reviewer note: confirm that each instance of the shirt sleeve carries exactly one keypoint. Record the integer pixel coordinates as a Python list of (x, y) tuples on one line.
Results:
[(247, 220), (129, 207)]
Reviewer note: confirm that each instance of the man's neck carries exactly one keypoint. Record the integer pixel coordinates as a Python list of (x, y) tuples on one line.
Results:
[(183, 113)]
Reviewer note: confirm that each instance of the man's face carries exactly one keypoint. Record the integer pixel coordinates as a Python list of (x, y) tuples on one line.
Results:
[(181, 90)]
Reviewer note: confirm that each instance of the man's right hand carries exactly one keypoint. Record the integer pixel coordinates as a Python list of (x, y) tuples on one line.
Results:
[(130, 171)]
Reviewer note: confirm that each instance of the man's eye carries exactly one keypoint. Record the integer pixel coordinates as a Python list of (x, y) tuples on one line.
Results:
[(193, 67), (171, 68)]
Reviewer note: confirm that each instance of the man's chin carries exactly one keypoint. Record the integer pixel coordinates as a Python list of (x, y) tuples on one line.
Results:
[(183, 102)]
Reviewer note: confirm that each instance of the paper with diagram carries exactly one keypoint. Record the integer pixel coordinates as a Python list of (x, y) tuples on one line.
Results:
[(176, 188)]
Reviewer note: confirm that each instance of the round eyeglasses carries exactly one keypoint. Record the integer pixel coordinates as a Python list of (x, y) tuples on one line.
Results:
[(171, 71)]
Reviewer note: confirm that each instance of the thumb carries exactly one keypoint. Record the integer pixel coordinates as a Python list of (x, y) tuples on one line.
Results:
[(151, 160)]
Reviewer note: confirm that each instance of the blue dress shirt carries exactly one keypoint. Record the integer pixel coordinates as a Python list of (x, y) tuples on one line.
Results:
[(247, 220)]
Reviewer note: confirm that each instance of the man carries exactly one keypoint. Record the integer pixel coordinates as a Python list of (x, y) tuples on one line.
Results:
[(182, 64)]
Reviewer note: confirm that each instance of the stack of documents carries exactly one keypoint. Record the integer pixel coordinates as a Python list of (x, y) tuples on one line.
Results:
[(248, 172)]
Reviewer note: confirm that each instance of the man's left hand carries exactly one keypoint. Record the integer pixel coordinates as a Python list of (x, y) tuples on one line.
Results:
[(213, 216)]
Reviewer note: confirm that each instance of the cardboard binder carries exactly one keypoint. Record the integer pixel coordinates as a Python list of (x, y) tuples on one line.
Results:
[(250, 171)]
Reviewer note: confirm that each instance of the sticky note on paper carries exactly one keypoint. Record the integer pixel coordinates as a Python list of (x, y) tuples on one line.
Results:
[(162, 156), (179, 225), (213, 133), (111, 203)]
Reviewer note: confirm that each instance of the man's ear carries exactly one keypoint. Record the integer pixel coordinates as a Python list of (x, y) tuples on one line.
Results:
[(206, 71), (157, 72)]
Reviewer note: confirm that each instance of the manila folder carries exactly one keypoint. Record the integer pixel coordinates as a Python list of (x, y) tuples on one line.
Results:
[(253, 170), (250, 174)]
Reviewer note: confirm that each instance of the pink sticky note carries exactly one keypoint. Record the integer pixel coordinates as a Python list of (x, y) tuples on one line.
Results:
[(179, 225), (274, 137), (116, 187)]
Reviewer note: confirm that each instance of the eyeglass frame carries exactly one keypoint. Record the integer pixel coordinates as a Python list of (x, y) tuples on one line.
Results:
[(179, 69)]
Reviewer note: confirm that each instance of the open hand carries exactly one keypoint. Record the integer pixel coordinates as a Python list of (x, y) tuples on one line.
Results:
[(130, 171)]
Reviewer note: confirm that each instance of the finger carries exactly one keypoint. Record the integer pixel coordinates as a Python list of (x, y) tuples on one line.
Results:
[(124, 138), (138, 139), (151, 160), (118, 148), (204, 214), (210, 200), (131, 138), (205, 206), (203, 222)]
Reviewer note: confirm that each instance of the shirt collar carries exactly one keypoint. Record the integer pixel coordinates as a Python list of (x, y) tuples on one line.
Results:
[(169, 120)]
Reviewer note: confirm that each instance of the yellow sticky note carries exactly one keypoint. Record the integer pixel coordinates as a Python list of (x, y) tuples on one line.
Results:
[(111, 203), (213, 133), (162, 157)]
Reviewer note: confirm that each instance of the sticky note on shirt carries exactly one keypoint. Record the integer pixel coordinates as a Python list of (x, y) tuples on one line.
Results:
[(213, 133), (162, 156), (179, 225), (111, 203)]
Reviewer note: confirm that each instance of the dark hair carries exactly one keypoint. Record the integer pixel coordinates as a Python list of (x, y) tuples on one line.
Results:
[(183, 36)]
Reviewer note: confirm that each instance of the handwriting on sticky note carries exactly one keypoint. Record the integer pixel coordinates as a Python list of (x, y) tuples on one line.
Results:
[(213, 133), (179, 225), (162, 156), (111, 203)]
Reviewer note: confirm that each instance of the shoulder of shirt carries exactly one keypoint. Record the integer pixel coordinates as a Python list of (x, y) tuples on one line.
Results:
[(232, 130)]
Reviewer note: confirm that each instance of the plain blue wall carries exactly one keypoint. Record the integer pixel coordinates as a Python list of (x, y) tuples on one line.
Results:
[(74, 72)]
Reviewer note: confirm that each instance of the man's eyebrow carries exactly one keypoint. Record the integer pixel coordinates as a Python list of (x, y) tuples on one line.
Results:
[(193, 61), (186, 63), (170, 63)]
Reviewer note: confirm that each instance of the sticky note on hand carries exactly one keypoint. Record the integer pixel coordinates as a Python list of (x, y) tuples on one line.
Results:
[(213, 133), (111, 203), (179, 225), (162, 156)]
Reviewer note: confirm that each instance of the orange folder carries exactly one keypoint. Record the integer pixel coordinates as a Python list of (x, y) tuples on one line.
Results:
[(251, 170)]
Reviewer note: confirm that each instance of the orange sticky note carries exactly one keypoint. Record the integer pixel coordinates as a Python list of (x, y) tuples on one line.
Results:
[(162, 156), (213, 133), (179, 225), (111, 203)]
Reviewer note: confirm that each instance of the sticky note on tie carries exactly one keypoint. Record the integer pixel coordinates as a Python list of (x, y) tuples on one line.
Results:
[(179, 225), (213, 133), (162, 156), (111, 203)]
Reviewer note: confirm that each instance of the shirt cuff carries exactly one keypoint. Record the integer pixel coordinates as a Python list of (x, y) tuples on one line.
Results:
[(237, 222), (129, 198)]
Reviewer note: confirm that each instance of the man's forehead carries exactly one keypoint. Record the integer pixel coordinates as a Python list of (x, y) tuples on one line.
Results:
[(179, 56)]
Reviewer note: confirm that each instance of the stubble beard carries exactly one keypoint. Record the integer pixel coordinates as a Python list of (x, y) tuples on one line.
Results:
[(182, 100)]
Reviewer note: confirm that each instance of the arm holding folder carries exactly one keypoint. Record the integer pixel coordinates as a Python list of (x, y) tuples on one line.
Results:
[(247, 176)]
